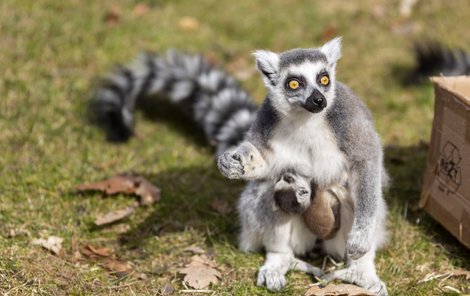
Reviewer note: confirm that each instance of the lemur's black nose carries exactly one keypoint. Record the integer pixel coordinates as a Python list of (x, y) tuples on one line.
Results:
[(319, 101), (316, 102)]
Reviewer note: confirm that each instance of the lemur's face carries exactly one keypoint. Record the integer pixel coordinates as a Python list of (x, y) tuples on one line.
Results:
[(301, 79)]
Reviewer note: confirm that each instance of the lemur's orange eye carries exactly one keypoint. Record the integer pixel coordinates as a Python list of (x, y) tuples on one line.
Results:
[(293, 84), (325, 80)]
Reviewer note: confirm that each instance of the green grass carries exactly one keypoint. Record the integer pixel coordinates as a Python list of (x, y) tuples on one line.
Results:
[(52, 51)]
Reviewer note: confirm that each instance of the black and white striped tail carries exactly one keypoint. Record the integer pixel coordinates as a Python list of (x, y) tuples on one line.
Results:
[(434, 58), (210, 96)]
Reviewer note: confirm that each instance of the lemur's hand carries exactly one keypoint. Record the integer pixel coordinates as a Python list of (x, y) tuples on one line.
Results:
[(359, 243), (244, 162)]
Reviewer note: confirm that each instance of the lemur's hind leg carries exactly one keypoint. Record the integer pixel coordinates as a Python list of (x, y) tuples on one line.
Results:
[(264, 224), (362, 271)]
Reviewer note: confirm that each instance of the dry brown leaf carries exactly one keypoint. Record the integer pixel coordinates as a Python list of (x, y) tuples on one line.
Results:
[(126, 184), (113, 216), (200, 272), (338, 290), (188, 23), (140, 9), (461, 272), (195, 250), (53, 244), (222, 206), (118, 267), (91, 251), (329, 32), (112, 16)]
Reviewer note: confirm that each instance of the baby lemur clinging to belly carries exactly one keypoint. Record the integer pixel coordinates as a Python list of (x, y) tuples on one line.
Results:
[(320, 209)]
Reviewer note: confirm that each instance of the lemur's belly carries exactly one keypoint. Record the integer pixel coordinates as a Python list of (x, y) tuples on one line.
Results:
[(309, 150)]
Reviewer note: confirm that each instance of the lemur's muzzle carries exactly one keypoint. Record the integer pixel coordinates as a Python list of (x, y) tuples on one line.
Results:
[(315, 103)]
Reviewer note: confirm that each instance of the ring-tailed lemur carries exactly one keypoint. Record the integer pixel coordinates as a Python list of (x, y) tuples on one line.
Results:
[(317, 127), (225, 112)]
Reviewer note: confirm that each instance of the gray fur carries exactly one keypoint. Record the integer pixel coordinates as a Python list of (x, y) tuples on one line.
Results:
[(301, 55), (338, 146)]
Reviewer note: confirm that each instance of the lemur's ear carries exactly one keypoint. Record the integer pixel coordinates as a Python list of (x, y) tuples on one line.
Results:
[(332, 50), (267, 63)]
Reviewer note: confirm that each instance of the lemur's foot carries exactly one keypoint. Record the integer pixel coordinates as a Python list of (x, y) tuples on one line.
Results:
[(366, 280), (244, 162), (292, 193), (272, 273), (378, 288), (271, 278)]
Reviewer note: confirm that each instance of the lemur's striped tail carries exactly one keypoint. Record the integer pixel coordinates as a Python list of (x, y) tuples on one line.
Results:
[(434, 58), (209, 95)]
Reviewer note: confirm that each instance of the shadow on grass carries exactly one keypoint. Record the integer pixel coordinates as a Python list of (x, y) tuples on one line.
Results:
[(406, 166), (159, 109), (186, 203), (187, 194)]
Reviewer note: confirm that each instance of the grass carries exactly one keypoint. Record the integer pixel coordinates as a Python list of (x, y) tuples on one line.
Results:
[(52, 51)]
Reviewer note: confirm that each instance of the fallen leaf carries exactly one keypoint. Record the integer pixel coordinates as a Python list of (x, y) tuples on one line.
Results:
[(126, 184), (338, 290), (53, 244), (188, 23), (140, 9), (222, 206), (195, 250), (329, 32), (112, 16), (119, 267), (113, 216), (200, 272), (91, 251), (461, 272)]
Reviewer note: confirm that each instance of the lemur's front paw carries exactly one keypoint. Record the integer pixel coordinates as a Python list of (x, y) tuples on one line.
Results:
[(245, 162), (273, 279), (230, 165), (358, 245)]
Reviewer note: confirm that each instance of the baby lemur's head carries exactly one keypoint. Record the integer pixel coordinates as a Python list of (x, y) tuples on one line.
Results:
[(300, 79)]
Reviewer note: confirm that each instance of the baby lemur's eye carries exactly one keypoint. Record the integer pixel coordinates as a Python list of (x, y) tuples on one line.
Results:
[(325, 80), (293, 84)]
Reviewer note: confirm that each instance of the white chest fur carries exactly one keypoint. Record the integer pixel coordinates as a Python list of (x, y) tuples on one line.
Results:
[(308, 147)]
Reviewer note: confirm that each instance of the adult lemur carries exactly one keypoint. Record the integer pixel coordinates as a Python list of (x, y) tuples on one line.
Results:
[(310, 130)]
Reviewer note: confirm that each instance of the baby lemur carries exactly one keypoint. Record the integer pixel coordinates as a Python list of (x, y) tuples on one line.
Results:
[(320, 210), (311, 129)]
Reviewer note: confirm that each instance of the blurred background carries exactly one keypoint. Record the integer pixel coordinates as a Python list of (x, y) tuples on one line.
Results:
[(52, 54)]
